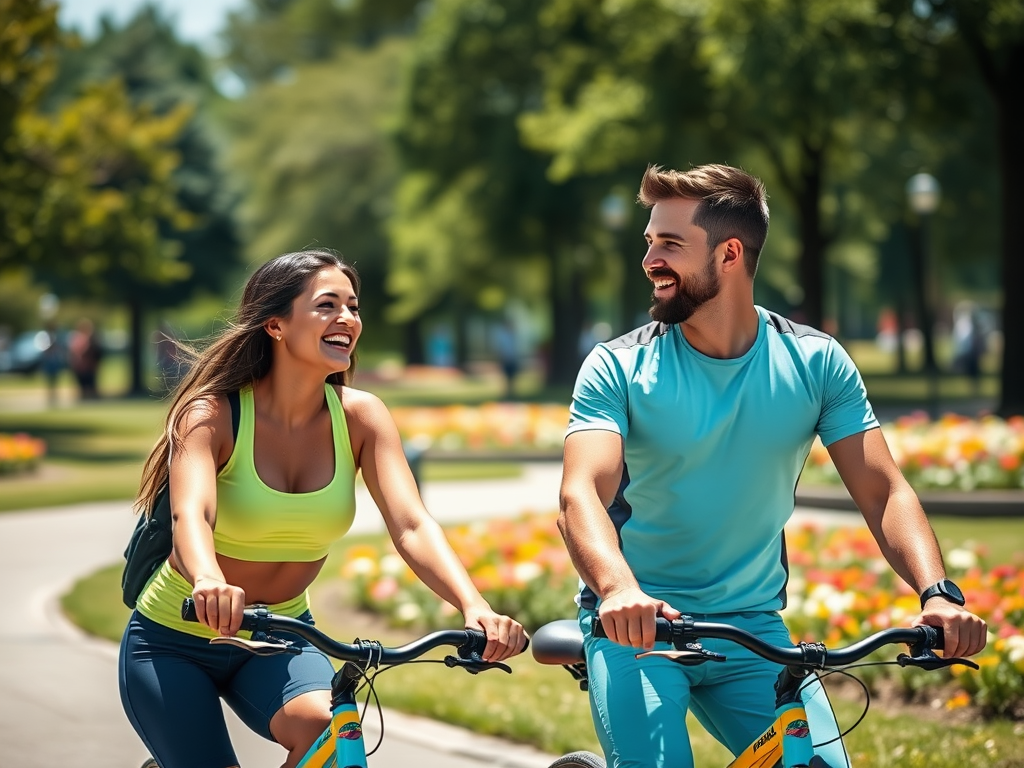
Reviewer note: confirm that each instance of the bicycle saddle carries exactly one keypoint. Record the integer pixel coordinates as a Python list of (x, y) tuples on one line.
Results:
[(558, 642)]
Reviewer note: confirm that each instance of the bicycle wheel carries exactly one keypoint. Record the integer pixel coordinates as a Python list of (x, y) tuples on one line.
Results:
[(151, 763), (578, 760)]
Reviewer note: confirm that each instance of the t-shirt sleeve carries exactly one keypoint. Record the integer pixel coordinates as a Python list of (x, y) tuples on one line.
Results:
[(599, 398), (845, 409)]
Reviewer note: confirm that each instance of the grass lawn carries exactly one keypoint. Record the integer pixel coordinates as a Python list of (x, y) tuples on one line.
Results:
[(543, 706)]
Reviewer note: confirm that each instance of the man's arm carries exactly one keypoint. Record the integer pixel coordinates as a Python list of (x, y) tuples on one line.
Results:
[(592, 470), (894, 515)]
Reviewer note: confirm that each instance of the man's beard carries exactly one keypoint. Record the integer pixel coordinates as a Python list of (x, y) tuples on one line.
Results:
[(690, 295)]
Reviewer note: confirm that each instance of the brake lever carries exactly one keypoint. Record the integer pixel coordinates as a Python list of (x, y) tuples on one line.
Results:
[(474, 664), (928, 660)]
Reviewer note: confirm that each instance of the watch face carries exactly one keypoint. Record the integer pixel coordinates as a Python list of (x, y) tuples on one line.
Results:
[(951, 589)]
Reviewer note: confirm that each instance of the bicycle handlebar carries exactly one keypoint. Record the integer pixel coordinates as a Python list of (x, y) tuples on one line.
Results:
[(469, 642), (685, 630)]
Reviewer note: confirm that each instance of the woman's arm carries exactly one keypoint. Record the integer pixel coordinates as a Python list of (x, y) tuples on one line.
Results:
[(418, 538), (193, 489)]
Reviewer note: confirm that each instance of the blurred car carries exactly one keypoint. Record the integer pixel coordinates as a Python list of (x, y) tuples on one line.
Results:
[(25, 353)]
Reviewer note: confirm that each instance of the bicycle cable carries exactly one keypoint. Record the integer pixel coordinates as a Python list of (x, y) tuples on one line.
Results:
[(368, 683), (867, 695)]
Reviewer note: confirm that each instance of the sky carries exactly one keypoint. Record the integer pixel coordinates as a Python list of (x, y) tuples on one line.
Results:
[(197, 21)]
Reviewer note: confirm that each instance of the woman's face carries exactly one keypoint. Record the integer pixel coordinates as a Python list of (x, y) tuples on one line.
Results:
[(324, 325)]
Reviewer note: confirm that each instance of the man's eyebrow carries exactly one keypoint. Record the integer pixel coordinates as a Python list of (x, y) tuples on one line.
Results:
[(666, 236)]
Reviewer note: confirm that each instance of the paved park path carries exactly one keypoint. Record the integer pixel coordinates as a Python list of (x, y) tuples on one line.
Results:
[(59, 703)]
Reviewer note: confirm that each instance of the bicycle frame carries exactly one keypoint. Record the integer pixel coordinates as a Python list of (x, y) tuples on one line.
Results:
[(787, 740), (341, 744)]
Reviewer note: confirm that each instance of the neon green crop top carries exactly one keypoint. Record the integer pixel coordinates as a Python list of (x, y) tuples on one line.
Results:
[(257, 523)]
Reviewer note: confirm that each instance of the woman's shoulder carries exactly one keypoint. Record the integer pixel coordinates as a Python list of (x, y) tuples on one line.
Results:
[(364, 410), (209, 409)]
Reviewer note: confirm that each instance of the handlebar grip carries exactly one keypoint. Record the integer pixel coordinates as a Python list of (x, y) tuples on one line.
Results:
[(188, 610), (662, 629), (933, 636)]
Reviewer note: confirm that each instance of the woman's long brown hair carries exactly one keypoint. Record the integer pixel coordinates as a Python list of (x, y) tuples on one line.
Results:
[(240, 355)]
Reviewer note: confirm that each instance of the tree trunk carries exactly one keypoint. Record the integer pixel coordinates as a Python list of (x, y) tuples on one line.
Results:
[(412, 342), (812, 239), (1010, 114), (922, 299), (137, 386), (566, 297)]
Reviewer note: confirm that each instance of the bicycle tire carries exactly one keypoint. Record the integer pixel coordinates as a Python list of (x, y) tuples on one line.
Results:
[(150, 763), (579, 760)]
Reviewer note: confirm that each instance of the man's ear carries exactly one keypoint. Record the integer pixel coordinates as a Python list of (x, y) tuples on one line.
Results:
[(731, 254)]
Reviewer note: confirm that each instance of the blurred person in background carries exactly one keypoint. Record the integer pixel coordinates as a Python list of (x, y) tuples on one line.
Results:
[(84, 355), (254, 515), (969, 343), (506, 344), (53, 360)]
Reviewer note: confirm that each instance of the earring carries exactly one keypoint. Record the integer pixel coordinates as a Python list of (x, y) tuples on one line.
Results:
[(278, 338)]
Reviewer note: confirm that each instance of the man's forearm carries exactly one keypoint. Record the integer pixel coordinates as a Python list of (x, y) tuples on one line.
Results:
[(907, 540), (593, 546)]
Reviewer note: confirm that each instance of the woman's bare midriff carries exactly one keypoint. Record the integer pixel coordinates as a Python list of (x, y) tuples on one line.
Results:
[(266, 582)]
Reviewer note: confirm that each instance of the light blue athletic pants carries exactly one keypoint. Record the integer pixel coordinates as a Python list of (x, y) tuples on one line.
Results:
[(639, 705)]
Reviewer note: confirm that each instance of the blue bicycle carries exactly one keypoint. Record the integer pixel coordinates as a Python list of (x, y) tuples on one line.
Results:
[(341, 743), (787, 742)]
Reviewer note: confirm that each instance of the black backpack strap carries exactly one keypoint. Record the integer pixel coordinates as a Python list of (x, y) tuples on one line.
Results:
[(236, 412)]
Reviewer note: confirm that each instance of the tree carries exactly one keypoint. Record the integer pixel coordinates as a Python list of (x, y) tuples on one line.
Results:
[(992, 34), (162, 74), (96, 229), (314, 158), (477, 211), (28, 40)]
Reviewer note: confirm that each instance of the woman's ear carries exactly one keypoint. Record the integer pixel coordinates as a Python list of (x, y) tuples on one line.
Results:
[(273, 327)]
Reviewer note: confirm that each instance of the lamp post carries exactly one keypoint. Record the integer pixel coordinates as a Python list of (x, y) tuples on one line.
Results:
[(614, 215), (923, 195)]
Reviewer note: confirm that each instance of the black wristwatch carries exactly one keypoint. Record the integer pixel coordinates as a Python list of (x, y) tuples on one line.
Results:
[(945, 589)]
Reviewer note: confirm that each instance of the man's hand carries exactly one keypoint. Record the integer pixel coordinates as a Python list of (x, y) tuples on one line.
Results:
[(964, 634), (628, 617)]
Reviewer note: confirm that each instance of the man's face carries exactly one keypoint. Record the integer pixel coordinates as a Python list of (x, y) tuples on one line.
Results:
[(678, 262)]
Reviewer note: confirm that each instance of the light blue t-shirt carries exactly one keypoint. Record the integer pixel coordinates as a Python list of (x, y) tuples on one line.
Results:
[(713, 451)]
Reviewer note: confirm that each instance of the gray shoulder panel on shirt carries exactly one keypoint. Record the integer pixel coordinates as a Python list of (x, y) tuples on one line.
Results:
[(784, 325), (641, 336)]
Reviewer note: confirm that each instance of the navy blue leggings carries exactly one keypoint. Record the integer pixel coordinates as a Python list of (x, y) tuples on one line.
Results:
[(172, 682)]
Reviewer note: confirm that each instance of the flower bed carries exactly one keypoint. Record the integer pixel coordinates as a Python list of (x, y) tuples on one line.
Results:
[(492, 426), (952, 453), (840, 590), (20, 453)]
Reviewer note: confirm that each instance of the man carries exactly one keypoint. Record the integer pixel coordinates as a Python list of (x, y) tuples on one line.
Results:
[(685, 442)]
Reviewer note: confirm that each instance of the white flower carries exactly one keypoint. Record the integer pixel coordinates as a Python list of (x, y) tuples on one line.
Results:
[(407, 612), (392, 565), (961, 559), (526, 570), (1015, 648), (362, 566)]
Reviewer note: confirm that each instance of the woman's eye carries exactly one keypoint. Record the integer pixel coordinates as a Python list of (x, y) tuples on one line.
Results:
[(354, 310)]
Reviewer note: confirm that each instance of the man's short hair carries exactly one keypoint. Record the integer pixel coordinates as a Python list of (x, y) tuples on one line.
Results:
[(732, 203)]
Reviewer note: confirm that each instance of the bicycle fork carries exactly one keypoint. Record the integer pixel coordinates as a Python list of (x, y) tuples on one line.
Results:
[(787, 741), (341, 744)]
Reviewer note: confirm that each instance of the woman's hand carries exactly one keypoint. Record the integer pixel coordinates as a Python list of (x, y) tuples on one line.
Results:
[(505, 636), (218, 605)]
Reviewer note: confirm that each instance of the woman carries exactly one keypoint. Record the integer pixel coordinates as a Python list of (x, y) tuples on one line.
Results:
[(254, 517)]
